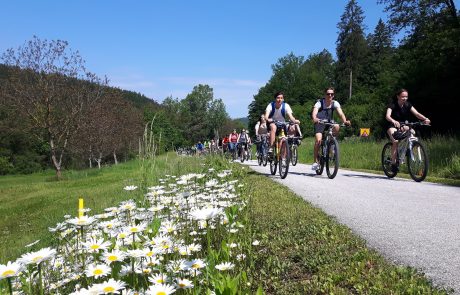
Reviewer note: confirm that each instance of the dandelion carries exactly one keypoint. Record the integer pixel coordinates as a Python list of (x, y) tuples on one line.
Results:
[(96, 271), (94, 245), (130, 188), (184, 284), (111, 287), (114, 255), (161, 289), (225, 266), (11, 269), (37, 257)]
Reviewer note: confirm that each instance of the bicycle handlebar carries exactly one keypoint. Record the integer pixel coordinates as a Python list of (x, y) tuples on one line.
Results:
[(412, 124), (331, 123)]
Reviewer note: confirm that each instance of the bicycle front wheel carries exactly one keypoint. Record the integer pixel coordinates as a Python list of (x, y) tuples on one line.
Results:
[(273, 165), (284, 159), (386, 161), (294, 156), (332, 158), (417, 162), (321, 155)]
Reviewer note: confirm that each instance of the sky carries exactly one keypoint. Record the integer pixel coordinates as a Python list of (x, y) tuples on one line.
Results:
[(166, 47)]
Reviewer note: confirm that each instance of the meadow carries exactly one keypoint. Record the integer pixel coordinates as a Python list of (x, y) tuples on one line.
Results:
[(270, 241)]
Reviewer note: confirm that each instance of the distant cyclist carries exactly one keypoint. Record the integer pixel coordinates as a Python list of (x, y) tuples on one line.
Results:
[(400, 110), (323, 110), (277, 111), (232, 140), (261, 130), (243, 140)]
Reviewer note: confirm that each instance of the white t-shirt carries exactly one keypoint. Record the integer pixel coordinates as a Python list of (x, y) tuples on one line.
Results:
[(334, 102), (277, 116)]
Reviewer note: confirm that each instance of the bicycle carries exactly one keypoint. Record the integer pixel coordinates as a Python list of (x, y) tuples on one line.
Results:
[(262, 153), (410, 149), (281, 154), (328, 152), (243, 151), (294, 145)]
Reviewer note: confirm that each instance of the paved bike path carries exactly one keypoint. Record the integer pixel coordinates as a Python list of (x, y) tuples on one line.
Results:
[(410, 223)]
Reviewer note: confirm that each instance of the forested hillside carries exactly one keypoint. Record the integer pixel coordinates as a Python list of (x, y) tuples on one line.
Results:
[(56, 114), (371, 67)]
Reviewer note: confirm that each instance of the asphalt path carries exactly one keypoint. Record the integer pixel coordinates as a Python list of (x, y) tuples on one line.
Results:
[(409, 223)]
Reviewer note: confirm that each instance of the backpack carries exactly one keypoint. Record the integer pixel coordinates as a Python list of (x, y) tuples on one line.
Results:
[(283, 110), (321, 109)]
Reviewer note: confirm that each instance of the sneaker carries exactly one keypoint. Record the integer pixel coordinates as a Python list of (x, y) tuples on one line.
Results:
[(315, 166), (270, 153)]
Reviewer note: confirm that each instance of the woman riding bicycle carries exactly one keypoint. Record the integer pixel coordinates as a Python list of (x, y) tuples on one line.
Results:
[(277, 111), (399, 110), (323, 110), (243, 140), (261, 129)]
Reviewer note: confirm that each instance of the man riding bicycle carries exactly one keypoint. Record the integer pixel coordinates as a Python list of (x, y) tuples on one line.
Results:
[(323, 110), (277, 111)]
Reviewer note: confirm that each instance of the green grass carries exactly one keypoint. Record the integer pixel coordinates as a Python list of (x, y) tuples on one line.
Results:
[(303, 251), (32, 203), (364, 155)]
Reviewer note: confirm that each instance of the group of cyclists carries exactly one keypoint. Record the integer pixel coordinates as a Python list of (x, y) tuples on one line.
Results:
[(278, 113), (399, 110)]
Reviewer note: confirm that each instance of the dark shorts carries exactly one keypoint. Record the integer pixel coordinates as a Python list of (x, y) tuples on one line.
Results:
[(319, 128)]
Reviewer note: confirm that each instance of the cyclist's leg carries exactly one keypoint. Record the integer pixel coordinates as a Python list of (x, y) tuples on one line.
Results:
[(335, 129), (394, 147), (318, 139), (272, 134)]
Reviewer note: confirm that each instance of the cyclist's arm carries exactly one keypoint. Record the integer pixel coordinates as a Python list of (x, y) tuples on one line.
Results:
[(291, 117), (257, 128), (298, 130), (314, 113), (420, 116), (390, 119), (342, 116)]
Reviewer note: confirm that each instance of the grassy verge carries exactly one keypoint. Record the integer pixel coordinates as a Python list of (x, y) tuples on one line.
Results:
[(364, 155), (32, 203), (307, 252)]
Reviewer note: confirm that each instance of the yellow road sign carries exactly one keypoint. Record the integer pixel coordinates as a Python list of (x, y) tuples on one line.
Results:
[(364, 132)]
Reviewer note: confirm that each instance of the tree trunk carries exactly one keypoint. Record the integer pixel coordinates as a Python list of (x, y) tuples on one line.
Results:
[(90, 162), (56, 162), (99, 160), (115, 158), (351, 83)]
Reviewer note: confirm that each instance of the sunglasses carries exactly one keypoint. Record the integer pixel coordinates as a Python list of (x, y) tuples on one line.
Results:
[(331, 94)]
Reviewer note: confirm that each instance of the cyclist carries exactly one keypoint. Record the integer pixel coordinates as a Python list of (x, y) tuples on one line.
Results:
[(399, 110), (199, 148), (243, 140), (294, 131), (225, 142), (261, 130), (232, 140), (323, 110), (277, 111)]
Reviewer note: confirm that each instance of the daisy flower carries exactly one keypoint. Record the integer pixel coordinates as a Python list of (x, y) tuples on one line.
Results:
[(205, 214), (114, 255), (225, 266), (94, 245), (136, 228), (111, 287), (184, 284), (11, 269), (256, 243), (158, 279), (96, 271), (130, 187), (161, 289), (81, 221), (37, 257), (196, 264)]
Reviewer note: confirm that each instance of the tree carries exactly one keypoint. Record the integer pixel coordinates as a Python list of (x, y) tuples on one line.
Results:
[(49, 84), (351, 49)]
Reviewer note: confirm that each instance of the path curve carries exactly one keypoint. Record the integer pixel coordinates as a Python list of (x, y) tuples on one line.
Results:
[(409, 223)]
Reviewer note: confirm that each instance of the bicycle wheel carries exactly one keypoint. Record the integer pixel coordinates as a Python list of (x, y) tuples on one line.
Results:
[(294, 156), (284, 159), (417, 162), (260, 159), (386, 161), (274, 161), (321, 156), (332, 158)]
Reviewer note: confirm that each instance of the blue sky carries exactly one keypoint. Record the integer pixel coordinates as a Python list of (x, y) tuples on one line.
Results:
[(163, 48)]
